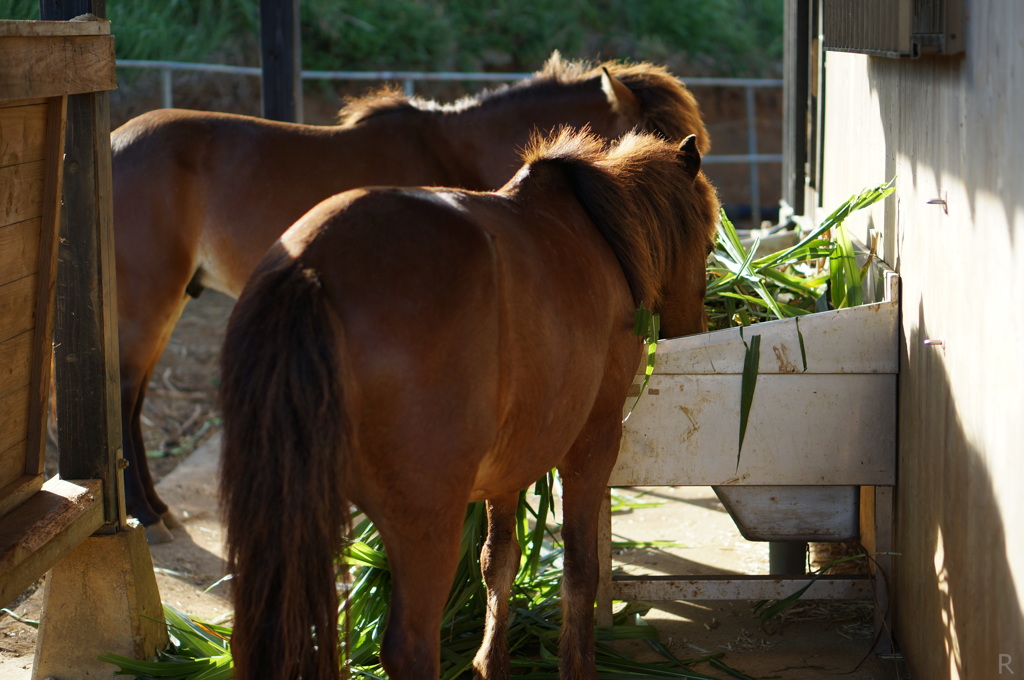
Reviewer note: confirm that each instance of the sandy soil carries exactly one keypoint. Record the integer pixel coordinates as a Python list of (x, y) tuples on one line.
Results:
[(689, 529)]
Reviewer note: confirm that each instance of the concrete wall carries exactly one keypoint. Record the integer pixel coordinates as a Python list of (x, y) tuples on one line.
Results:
[(951, 129)]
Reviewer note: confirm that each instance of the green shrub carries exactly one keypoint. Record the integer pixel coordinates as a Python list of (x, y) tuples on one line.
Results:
[(693, 37)]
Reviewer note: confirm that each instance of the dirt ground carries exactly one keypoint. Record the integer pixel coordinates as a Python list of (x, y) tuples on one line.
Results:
[(686, 529)]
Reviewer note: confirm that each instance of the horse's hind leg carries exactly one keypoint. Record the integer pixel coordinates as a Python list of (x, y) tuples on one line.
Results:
[(584, 475), (144, 331), (422, 546), (148, 486), (136, 474), (499, 561)]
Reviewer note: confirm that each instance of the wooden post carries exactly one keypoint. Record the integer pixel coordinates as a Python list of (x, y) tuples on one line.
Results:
[(281, 60), (41, 64), (101, 598), (796, 49), (63, 10), (877, 530), (85, 326)]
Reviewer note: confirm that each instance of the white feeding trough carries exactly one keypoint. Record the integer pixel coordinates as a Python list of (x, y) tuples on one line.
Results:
[(822, 426)]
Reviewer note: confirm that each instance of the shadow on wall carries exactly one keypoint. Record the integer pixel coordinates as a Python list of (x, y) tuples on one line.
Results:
[(953, 123), (959, 613), (958, 117)]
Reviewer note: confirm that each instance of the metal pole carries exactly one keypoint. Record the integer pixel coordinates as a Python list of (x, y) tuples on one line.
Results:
[(755, 174), (166, 91), (796, 96), (787, 558)]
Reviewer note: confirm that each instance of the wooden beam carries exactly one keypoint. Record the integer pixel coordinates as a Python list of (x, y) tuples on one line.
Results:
[(47, 29), (23, 184), (24, 132), (85, 64), (85, 335), (14, 406), (85, 320), (698, 587), (42, 346), (17, 306), (20, 490), (796, 98), (34, 536)]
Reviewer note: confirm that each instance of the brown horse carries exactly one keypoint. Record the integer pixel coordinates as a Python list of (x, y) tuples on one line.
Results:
[(415, 349), (199, 197)]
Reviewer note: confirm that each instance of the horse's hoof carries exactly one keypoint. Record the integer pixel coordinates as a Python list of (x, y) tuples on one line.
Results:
[(171, 520), (158, 533)]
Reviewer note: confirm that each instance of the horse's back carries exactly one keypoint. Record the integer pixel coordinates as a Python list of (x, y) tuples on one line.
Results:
[(168, 130), (429, 251), (392, 244), (205, 192), (158, 157), (529, 294), (407, 272)]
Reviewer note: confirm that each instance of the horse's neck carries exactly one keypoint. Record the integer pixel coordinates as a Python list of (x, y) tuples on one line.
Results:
[(487, 141), (411, 148), (494, 134), (476, 150)]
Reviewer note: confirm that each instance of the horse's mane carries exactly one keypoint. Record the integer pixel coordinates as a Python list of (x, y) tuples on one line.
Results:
[(667, 106), (384, 99), (636, 192)]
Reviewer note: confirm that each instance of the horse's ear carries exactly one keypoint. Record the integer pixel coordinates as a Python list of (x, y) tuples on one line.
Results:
[(620, 97), (689, 156)]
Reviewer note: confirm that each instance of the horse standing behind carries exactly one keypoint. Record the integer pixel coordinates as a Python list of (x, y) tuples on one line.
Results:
[(413, 350), (199, 197)]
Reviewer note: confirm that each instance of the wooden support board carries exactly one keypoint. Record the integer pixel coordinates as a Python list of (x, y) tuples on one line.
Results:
[(31, 149), (41, 63), (80, 52), (43, 529), (58, 71)]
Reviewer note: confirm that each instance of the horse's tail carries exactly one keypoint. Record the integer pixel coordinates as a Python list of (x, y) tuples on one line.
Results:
[(284, 441)]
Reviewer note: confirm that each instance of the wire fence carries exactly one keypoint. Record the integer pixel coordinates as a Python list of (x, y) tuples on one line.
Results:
[(752, 158)]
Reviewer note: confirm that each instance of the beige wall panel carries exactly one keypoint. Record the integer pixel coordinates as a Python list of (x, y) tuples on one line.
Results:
[(952, 130)]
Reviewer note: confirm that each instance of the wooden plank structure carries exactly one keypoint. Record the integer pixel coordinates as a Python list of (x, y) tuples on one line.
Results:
[(54, 150), (31, 148)]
